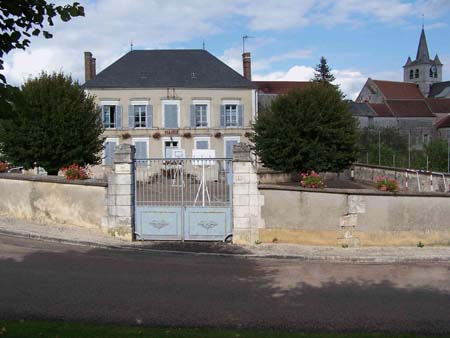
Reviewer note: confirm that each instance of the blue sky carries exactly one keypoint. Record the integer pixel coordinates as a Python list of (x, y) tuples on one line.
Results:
[(359, 38)]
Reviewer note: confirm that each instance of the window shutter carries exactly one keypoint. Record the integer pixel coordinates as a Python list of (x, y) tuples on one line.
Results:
[(141, 152), (131, 116), (109, 153), (102, 115), (149, 116), (222, 116), (241, 115), (118, 117), (193, 122)]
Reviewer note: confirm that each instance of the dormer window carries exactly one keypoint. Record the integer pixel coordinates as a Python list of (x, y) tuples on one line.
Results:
[(417, 74), (411, 74)]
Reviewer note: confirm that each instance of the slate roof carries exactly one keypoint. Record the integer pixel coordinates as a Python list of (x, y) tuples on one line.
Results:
[(437, 88), (360, 109), (394, 90), (179, 68), (279, 87)]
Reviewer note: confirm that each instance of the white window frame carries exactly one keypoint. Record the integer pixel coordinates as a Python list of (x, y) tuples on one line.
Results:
[(107, 140), (208, 111), (140, 103), (171, 102), (167, 139), (109, 103), (142, 139), (232, 102), (229, 138), (202, 138)]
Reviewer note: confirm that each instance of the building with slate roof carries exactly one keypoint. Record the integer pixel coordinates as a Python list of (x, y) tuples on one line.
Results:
[(164, 100)]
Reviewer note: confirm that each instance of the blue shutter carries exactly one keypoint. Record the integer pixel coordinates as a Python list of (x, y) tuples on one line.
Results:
[(109, 153), (131, 116), (141, 152), (118, 117), (149, 116), (192, 117), (170, 116), (222, 116), (240, 115)]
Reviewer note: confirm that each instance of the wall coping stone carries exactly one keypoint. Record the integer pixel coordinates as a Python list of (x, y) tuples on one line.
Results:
[(422, 172), (53, 179), (351, 191)]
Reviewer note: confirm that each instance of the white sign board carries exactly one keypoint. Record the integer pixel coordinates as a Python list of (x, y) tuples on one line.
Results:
[(179, 153), (201, 154)]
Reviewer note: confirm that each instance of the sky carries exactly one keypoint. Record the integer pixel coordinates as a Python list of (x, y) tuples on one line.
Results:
[(360, 39)]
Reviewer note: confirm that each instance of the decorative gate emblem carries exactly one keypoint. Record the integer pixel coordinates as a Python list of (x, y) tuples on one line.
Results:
[(158, 224), (208, 224)]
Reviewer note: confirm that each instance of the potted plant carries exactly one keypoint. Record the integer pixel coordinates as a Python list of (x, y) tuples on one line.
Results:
[(187, 134), (385, 184), (3, 167), (156, 136), (218, 134), (76, 172), (126, 136), (247, 134), (311, 180)]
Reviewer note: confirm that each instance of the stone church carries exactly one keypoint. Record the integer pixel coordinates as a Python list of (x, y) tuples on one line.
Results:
[(419, 104)]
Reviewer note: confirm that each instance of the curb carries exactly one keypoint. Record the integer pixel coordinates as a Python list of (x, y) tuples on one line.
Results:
[(326, 258)]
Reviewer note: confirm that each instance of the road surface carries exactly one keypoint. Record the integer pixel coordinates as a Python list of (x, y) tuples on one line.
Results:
[(44, 280)]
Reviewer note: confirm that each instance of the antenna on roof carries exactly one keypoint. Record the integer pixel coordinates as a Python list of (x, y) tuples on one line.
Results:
[(245, 37), (203, 45), (423, 21), (131, 45)]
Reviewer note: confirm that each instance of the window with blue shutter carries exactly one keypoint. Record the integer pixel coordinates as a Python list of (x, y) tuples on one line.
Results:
[(109, 116), (109, 153), (231, 114), (140, 116), (170, 116), (240, 115)]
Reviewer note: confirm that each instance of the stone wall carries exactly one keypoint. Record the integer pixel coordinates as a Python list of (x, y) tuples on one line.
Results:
[(368, 174), (50, 199), (314, 217)]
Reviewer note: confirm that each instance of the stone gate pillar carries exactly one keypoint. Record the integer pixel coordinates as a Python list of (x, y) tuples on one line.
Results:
[(121, 187), (247, 200)]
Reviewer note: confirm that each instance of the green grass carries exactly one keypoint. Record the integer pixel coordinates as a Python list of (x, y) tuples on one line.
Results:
[(41, 329)]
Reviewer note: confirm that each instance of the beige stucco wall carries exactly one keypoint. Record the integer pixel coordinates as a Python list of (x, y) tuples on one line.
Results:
[(314, 218), (185, 96), (49, 202)]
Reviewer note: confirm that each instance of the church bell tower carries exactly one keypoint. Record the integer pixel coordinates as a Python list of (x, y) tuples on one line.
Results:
[(423, 70)]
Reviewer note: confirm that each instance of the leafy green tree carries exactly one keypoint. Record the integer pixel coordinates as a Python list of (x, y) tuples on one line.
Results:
[(21, 19), (307, 129), (55, 124), (323, 72), (437, 152)]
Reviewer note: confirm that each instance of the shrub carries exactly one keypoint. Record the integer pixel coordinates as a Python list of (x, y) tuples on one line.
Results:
[(3, 167), (385, 184), (311, 180), (76, 172)]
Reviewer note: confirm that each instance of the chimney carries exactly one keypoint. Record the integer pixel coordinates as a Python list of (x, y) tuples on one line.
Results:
[(93, 68), (247, 65), (87, 66)]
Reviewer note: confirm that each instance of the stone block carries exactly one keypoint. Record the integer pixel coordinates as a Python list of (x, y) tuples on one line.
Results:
[(356, 204), (124, 211), (241, 178), (124, 200), (240, 189), (349, 220), (241, 223), (240, 200), (242, 168), (241, 212), (123, 179)]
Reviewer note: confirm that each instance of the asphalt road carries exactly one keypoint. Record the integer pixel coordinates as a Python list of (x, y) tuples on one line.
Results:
[(53, 281)]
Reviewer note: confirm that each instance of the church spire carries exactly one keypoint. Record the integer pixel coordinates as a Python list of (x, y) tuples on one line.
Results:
[(422, 51)]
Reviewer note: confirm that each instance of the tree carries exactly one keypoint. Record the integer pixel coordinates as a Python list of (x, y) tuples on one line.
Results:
[(323, 72), (21, 19), (307, 129), (55, 124)]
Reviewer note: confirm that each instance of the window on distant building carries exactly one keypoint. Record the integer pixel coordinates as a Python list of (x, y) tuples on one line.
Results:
[(140, 116), (202, 142), (199, 114), (112, 115), (411, 74), (417, 73), (231, 114)]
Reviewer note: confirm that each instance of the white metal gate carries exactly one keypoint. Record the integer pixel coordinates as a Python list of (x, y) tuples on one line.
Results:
[(183, 199)]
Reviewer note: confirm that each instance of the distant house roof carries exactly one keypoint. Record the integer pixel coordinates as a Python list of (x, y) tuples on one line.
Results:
[(279, 87), (439, 106), (438, 88), (360, 109), (393, 90), (381, 109), (443, 123), (410, 108), (179, 68)]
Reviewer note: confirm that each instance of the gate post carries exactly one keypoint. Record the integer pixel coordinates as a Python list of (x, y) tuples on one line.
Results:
[(121, 188), (247, 200)]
